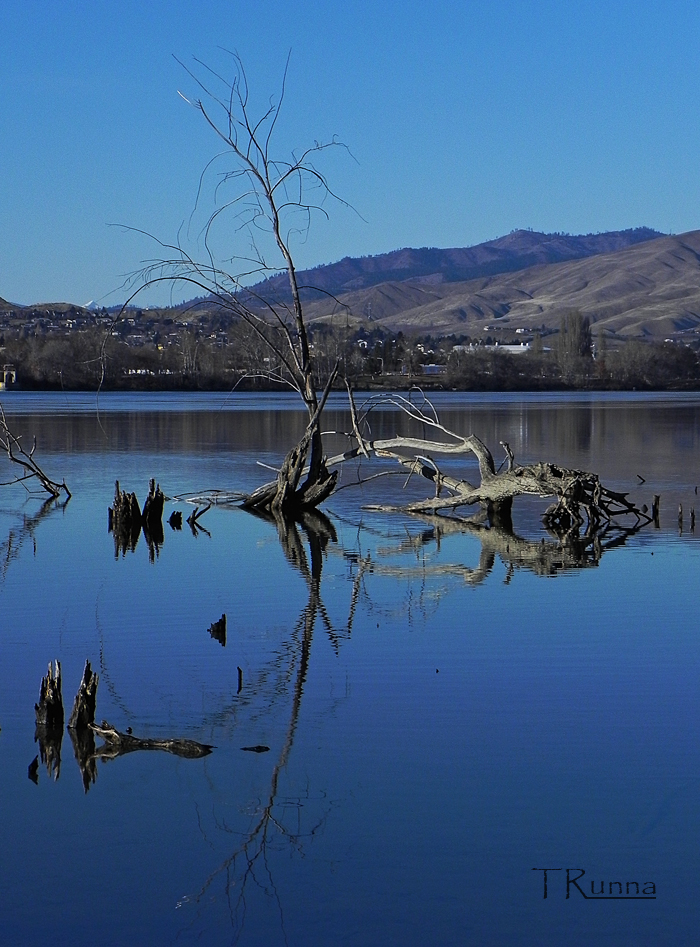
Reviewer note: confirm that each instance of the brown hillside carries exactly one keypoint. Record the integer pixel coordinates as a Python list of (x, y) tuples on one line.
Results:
[(651, 289)]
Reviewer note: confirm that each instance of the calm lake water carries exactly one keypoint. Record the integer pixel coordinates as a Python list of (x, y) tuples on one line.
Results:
[(447, 712)]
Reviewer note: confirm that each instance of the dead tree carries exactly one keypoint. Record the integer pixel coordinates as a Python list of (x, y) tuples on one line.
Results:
[(270, 199), (12, 445)]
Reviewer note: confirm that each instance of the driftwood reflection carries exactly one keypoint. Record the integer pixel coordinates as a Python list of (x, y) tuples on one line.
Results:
[(319, 531), (565, 551)]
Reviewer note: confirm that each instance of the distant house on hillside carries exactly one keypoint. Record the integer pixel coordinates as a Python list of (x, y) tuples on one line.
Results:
[(8, 378)]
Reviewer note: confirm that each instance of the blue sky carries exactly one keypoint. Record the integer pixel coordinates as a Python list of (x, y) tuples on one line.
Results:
[(465, 120)]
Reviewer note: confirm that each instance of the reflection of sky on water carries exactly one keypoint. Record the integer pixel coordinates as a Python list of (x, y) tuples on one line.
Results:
[(459, 735)]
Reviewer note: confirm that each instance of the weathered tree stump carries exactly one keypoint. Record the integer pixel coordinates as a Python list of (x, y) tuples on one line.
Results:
[(152, 519), (153, 507), (79, 726), (49, 721), (83, 713), (126, 519), (49, 710)]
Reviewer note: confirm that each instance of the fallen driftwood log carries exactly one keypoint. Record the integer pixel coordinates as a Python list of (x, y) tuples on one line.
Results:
[(580, 499), (579, 496), (117, 744)]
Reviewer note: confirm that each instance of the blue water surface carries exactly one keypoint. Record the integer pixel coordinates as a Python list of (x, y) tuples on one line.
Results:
[(439, 722)]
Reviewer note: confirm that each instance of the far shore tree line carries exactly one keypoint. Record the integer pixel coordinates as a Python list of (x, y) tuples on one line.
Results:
[(571, 358)]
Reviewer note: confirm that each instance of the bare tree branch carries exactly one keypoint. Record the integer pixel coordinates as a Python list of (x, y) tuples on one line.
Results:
[(12, 445)]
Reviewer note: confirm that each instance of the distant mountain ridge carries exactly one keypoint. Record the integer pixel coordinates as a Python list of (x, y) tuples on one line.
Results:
[(518, 250), (650, 289)]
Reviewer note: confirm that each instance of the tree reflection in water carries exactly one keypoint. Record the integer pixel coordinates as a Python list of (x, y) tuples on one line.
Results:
[(248, 865), (565, 551), (11, 547), (305, 544)]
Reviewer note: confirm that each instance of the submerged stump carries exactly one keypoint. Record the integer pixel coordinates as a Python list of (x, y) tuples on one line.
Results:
[(49, 722), (83, 713), (218, 630), (49, 710), (126, 520)]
